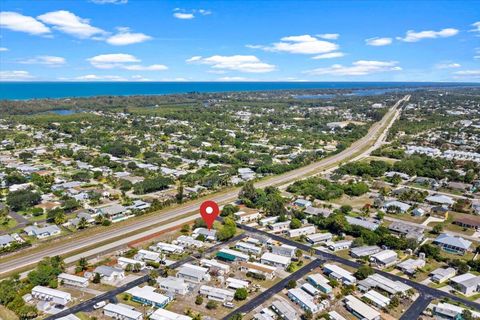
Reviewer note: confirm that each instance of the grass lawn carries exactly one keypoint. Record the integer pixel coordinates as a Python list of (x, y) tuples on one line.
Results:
[(7, 224), (355, 202), (407, 217)]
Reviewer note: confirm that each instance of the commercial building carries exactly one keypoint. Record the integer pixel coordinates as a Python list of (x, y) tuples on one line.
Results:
[(51, 295), (72, 280), (217, 294), (173, 285), (336, 272), (193, 273), (121, 312), (162, 314), (360, 309), (303, 299), (146, 295), (275, 260)]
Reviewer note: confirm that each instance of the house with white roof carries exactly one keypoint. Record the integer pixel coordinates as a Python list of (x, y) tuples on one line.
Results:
[(275, 260), (378, 281), (173, 285), (318, 238), (52, 295), (453, 244), (377, 299), (410, 266), (445, 310), (146, 255), (384, 258), (121, 311), (304, 231), (247, 217), (440, 199), (6, 241), (396, 205), (360, 309), (109, 274), (303, 299), (441, 275), (284, 310), (42, 232), (284, 250), (217, 294), (466, 283), (320, 282), (73, 280), (123, 263), (193, 273), (147, 296), (336, 272), (162, 314)]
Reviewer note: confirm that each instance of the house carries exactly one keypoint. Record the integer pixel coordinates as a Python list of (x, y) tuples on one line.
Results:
[(469, 221), (311, 290), (391, 174), (109, 274), (317, 238), (365, 251), (360, 309), (293, 233), (213, 264), (42, 232), (418, 212), (139, 205), (258, 269), (123, 263), (192, 273), (173, 285), (408, 230), (189, 242), (162, 314), (51, 295), (164, 247), (146, 255), (339, 245), (320, 282), (284, 310), (303, 299), (441, 275), (440, 199), (246, 173), (410, 266), (336, 272), (275, 260), (302, 203), (231, 255), (72, 280), (121, 312), (284, 250), (334, 315), (267, 221), (210, 235), (313, 211), (217, 294), (453, 244), (235, 284), (6, 241), (248, 248), (444, 310), (279, 226), (393, 206), (384, 258), (377, 299), (378, 281), (439, 212), (466, 283), (247, 217), (115, 212), (147, 296), (362, 223)]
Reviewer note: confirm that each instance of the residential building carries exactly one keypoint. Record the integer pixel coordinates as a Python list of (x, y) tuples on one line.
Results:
[(466, 283), (268, 272), (362, 223), (51, 295), (123, 263), (365, 251), (318, 238), (410, 266), (210, 235), (189, 242), (231, 255), (217, 294), (284, 310), (392, 206), (334, 315), (310, 289), (302, 203), (173, 285), (470, 221), (109, 274), (72, 280), (248, 248), (409, 231), (384, 258), (313, 211), (293, 233), (214, 264), (275, 260), (42, 232), (279, 226), (6, 241), (146, 255), (121, 312), (445, 310), (147, 296), (453, 244), (193, 273), (319, 282), (441, 275), (303, 299), (336, 272), (440, 199), (284, 250), (360, 309), (378, 281), (247, 217), (377, 299), (161, 247), (162, 314), (235, 284), (339, 245)]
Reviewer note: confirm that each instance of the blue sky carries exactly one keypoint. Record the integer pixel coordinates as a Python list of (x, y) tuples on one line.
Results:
[(135, 40)]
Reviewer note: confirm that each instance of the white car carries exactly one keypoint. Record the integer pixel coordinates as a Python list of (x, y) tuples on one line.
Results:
[(99, 305)]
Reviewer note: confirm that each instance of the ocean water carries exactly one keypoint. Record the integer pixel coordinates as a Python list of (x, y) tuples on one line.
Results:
[(37, 90)]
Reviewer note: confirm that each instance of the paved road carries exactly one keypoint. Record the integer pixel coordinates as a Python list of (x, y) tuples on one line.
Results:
[(77, 242), (110, 295), (279, 286), (417, 308)]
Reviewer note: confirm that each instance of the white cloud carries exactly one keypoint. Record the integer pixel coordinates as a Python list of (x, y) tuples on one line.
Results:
[(47, 60), (448, 65), (358, 68), (413, 36), (112, 60), (476, 27), (204, 12), (329, 36), (378, 42), (329, 55), (15, 75), (3, 49), (303, 44), (125, 37), (467, 74), (109, 1), (69, 23), (94, 77), (152, 67), (18, 22), (242, 63), (183, 16), (233, 79), (122, 61)]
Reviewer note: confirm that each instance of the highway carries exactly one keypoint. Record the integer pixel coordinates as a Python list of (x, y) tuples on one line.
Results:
[(78, 242)]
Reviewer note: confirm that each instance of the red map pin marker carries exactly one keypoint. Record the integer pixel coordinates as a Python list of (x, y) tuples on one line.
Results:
[(209, 211)]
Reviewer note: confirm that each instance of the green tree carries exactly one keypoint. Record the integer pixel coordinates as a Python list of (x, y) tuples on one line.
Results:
[(241, 294), (22, 199), (295, 223), (199, 300), (363, 272), (291, 284)]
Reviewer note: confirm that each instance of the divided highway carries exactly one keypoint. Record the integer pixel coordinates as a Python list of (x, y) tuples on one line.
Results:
[(80, 243)]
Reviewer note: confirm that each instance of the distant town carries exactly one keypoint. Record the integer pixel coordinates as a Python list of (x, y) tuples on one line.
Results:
[(334, 205)]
